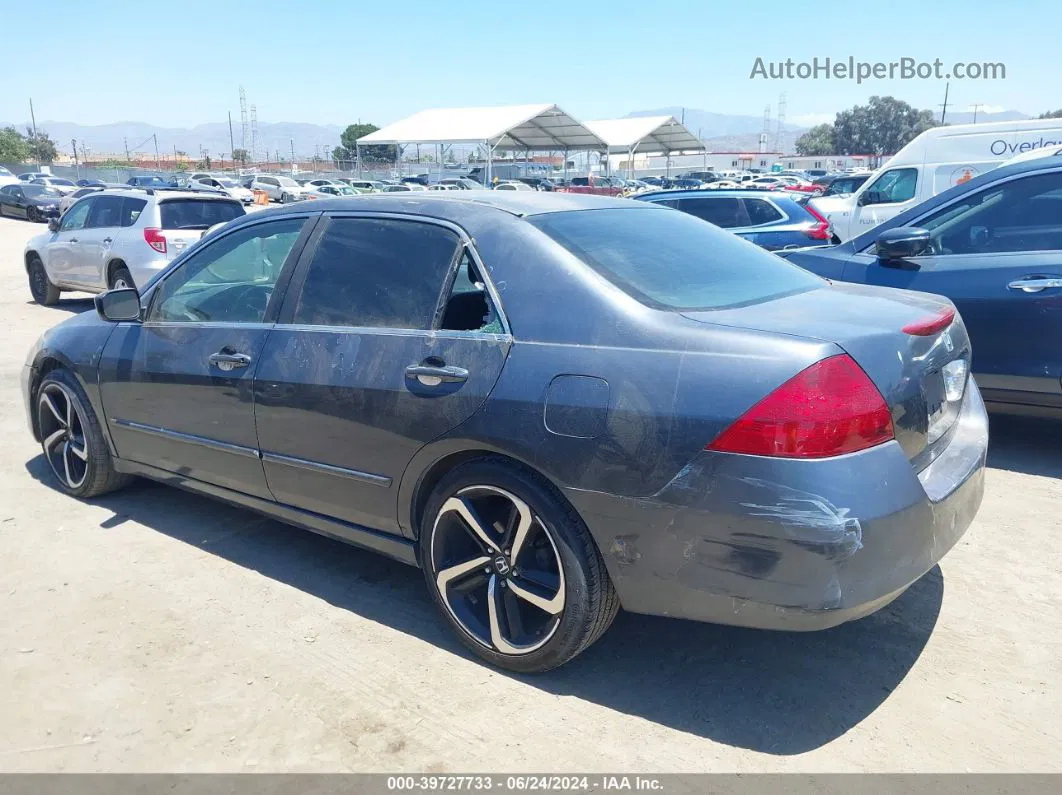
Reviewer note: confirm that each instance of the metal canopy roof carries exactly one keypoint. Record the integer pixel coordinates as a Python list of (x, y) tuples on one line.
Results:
[(652, 133), (504, 127)]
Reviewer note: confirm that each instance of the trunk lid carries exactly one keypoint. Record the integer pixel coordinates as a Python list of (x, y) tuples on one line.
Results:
[(867, 323)]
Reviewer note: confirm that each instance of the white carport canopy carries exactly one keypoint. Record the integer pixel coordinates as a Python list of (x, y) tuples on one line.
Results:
[(529, 127), (664, 134), (657, 133)]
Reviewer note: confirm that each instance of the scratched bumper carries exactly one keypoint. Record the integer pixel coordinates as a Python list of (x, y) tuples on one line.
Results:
[(793, 545)]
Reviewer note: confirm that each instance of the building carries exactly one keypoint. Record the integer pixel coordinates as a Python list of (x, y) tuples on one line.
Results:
[(646, 164)]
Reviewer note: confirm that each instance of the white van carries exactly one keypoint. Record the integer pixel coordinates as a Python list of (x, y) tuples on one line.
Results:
[(933, 162)]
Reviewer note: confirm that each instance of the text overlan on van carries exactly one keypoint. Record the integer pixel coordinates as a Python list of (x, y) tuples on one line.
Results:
[(850, 69)]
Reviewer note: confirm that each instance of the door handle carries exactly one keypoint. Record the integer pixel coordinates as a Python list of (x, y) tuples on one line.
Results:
[(1034, 284), (430, 375), (108, 240), (229, 361), (73, 240)]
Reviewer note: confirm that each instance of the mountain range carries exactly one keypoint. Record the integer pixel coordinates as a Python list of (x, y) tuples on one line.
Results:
[(722, 132)]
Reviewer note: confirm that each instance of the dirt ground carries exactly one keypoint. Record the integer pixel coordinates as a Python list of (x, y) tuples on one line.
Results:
[(152, 630)]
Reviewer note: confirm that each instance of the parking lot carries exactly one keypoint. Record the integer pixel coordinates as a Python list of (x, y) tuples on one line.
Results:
[(155, 630)]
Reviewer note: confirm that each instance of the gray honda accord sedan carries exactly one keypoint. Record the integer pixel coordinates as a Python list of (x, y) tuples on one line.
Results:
[(555, 405)]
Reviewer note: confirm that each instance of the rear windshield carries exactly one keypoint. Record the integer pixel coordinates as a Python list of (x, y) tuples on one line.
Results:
[(670, 260), (197, 213)]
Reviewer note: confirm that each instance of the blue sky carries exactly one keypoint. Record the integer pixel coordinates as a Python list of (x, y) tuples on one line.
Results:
[(327, 61)]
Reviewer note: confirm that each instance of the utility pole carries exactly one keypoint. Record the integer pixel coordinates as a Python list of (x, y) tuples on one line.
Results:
[(175, 157), (976, 107), (293, 167), (36, 141), (232, 145), (944, 107), (126, 142), (77, 166), (158, 162)]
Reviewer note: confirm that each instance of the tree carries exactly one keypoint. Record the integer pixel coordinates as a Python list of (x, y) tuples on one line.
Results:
[(1051, 114), (41, 146), (882, 126), (240, 156), (13, 146), (381, 153), (817, 141)]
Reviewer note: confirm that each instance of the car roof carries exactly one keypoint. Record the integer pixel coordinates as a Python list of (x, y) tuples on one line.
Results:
[(456, 206), (701, 194), (164, 193)]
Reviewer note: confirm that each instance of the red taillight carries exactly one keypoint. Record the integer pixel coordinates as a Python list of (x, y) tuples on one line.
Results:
[(831, 408), (933, 325), (820, 230), (153, 237)]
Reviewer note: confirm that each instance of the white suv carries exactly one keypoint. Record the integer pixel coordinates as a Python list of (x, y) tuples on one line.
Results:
[(120, 238), (280, 189), (221, 184)]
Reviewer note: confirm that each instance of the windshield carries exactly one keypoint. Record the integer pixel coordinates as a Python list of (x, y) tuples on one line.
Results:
[(39, 191), (225, 182), (5, 173), (669, 259)]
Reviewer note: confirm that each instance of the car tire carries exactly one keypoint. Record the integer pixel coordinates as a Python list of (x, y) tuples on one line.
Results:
[(72, 439), (284, 198), (33, 215), (120, 278), (41, 288), (539, 596)]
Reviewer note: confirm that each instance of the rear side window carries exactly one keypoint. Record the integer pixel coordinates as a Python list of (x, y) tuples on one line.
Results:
[(724, 212), (106, 212), (761, 211), (376, 273), (197, 213), (131, 209), (672, 260)]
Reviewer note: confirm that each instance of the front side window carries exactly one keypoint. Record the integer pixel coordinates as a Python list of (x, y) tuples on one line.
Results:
[(895, 185), (378, 273), (76, 216), (673, 261), (106, 212), (1021, 215), (229, 281)]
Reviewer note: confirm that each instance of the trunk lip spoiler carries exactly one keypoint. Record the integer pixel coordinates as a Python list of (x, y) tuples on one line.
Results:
[(932, 325)]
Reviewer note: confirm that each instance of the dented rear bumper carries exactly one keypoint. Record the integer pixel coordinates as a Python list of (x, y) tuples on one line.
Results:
[(787, 544)]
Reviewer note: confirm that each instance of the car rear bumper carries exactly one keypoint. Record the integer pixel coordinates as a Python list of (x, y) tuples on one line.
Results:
[(787, 544), (144, 272)]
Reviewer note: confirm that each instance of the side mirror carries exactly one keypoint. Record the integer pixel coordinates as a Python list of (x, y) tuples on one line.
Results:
[(901, 243), (119, 306), (53, 224)]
